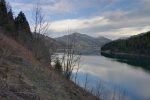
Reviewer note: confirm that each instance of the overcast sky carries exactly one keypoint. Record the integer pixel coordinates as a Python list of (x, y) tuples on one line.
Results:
[(110, 18)]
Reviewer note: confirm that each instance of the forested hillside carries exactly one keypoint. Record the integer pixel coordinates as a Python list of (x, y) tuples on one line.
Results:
[(138, 44), (18, 28)]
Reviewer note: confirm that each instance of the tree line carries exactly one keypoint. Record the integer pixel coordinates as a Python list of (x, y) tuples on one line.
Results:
[(18, 28), (43, 47), (138, 44), (13, 25)]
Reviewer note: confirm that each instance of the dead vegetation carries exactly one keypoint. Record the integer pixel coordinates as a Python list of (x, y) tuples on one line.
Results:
[(22, 77)]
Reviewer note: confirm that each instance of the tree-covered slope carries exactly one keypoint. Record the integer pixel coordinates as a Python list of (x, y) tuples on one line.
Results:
[(138, 44)]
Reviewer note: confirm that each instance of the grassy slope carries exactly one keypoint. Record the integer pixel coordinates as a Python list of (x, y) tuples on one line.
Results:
[(22, 77)]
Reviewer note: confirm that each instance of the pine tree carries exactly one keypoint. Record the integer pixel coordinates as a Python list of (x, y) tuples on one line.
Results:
[(22, 23), (22, 27), (3, 13), (10, 26), (6, 18), (3, 8), (10, 14)]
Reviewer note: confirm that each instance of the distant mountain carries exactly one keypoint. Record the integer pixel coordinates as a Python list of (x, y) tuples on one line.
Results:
[(86, 44), (134, 45)]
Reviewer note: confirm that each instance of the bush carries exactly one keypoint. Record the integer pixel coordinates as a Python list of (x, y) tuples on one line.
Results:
[(58, 66)]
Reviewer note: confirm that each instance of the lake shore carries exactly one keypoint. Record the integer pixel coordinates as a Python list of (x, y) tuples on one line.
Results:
[(124, 54), (126, 75)]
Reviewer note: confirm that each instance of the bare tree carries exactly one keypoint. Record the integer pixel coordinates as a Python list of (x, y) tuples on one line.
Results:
[(114, 94), (41, 24), (41, 28), (86, 82), (52, 50), (77, 70), (99, 89), (122, 94), (71, 56)]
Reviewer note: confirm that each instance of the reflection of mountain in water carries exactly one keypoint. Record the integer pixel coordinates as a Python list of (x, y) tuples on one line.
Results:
[(139, 61)]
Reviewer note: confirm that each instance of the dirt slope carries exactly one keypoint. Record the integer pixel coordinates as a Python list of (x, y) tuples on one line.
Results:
[(22, 77)]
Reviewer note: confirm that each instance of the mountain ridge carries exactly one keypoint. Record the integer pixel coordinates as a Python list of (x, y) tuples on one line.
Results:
[(85, 43)]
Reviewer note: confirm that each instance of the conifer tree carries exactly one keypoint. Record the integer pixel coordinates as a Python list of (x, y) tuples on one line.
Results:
[(10, 26), (22, 25), (10, 14), (3, 13), (6, 18), (23, 33)]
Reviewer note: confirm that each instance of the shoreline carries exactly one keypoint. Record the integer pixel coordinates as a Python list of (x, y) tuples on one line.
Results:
[(124, 54)]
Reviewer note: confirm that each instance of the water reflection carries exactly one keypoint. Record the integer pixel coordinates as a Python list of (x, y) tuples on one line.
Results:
[(139, 61), (134, 80)]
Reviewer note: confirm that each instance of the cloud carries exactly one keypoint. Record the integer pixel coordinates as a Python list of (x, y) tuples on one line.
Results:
[(122, 32), (22, 6), (110, 18), (61, 6), (145, 4), (113, 25), (58, 7), (75, 24), (51, 7)]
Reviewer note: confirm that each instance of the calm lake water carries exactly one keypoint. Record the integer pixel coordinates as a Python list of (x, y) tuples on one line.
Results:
[(116, 77)]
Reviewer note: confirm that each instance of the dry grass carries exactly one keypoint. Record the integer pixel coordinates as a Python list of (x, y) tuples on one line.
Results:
[(22, 77), (10, 45)]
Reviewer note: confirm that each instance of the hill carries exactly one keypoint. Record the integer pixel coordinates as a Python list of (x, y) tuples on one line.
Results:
[(84, 43), (135, 45), (22, 77), (26, 72)]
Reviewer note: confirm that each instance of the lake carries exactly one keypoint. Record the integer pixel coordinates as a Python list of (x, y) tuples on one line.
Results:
[(115, 78)]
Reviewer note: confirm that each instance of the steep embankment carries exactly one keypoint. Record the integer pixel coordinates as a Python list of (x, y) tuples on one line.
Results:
[(22, 77)]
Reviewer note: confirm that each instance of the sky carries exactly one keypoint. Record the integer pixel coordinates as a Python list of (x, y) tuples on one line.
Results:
[(112, 19)]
